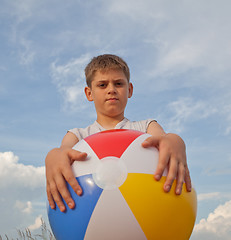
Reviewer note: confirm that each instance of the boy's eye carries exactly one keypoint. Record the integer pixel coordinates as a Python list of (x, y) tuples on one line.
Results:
[(102, 85), (119, 84)]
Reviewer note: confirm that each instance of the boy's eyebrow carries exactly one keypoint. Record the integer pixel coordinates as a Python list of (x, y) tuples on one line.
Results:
[(106, 80)]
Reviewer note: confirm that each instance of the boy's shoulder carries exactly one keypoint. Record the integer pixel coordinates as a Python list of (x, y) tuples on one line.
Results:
[(82, 133), (141, 125)]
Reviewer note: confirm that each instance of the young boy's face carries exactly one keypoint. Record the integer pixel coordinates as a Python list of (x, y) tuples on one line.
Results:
[(110, 91)]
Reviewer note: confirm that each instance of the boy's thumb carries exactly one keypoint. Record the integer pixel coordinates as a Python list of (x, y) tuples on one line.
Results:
[(76, 155), (150, 141)]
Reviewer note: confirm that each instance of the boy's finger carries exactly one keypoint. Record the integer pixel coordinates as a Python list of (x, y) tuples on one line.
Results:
[(50, 198), (188, 180), (172, 172), (70, 178), (162, 164), (63, 191), (180, 178), (56, 197)]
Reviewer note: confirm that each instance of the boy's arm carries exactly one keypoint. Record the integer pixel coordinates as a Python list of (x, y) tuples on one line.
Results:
[(172, 154), (58, 171)]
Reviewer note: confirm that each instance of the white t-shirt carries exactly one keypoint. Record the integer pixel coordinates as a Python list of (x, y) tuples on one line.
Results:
[(82, 133)]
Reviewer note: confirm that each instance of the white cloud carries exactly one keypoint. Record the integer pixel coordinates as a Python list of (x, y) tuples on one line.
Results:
[(22, 188), (22, 12), (216, 226), (224, 169), (14, 173), (206, 196), (70, 81), (187, 109), (213, 196), (24, 207), (37, 224), (27, 52), (182, 37), (136, 10)]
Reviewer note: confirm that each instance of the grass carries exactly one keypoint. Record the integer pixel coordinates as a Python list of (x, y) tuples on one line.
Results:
[(44, 234)]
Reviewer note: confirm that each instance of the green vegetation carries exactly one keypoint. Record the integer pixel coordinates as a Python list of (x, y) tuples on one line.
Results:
[(44, 234)]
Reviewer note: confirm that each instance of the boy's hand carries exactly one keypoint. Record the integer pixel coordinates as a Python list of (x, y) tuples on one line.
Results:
[(172, 155), (58, 171)]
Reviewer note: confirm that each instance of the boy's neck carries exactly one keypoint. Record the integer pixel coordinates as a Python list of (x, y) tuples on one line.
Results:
[(109, 122)]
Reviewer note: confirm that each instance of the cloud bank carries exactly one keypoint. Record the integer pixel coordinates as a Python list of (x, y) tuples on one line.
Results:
[(22, 191), (217, 226)]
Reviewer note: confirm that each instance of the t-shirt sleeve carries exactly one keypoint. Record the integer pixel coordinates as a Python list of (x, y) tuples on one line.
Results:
[(141, 126), (145, 124), (76, 132), (82, 133), (148, 122)]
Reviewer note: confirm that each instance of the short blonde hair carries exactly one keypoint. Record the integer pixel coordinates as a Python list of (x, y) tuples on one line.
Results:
[(104, 63)]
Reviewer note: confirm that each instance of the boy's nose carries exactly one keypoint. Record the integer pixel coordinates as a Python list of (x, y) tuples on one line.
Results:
[(111, 88)]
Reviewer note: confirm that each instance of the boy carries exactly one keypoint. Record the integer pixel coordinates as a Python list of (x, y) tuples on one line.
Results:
[(109, 87)]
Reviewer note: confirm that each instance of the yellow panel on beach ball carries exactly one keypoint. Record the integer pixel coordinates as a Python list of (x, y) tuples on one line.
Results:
[(161, 215)]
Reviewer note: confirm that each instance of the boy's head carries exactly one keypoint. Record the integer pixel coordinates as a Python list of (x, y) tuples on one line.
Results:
[(104, 63)]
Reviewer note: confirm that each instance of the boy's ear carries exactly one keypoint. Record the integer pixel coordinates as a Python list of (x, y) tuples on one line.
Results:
[(88, 93), (130, 89)]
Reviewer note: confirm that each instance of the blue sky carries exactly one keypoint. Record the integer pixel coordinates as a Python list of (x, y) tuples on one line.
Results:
[(179, 54)]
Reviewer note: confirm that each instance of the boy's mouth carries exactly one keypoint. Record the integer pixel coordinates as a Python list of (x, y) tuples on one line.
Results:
[(112, 99)]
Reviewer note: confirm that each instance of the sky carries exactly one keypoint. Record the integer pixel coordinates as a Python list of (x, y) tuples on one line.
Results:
[(179, 54)]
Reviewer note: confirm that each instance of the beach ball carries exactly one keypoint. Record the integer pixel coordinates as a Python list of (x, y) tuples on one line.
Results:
[(121, 199)]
